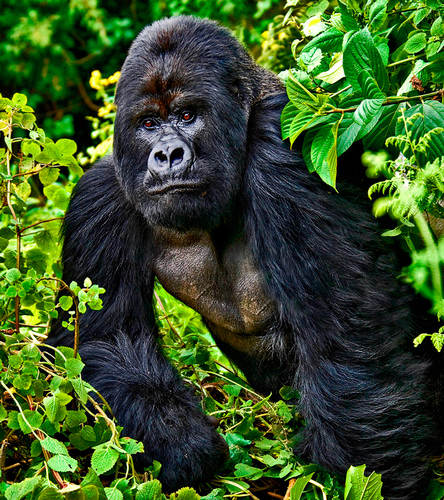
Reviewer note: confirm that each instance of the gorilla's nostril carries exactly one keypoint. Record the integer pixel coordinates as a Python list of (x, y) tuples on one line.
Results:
[(161, 157), (176, 156)]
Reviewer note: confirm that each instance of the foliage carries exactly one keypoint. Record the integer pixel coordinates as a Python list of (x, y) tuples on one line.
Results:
[(372, 72)]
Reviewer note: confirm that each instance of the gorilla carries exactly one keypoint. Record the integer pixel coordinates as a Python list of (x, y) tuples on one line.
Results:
[(291, 277)]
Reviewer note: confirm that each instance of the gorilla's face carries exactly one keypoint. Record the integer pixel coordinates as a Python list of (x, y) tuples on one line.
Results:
[(181, 128)]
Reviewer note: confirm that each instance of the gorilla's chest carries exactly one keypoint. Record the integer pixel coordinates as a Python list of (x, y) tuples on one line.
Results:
[(225, 287)]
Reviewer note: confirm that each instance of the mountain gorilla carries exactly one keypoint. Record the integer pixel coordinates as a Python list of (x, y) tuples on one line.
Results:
[(290, 277)]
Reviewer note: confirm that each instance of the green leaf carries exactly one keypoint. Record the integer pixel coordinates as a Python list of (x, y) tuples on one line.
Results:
[(18, 491), (104, 458), (131, 446), (75, 417), (377, 14), (416, 43), (113, 494), (324, 154), (48, 175), (185, 494), (66, 302), (299, 486), (79, 387), (3, 413), (375, 140), (66, 146), (298, 94), (359, 487), (328, 41), (287, 116), (33, 419), (62, 463), (437, 28), (244, 470), (367, 110), (52, 407), (50, 493), (151, 490), (73, 367), (361, 54), (54, 446), (12, 275)]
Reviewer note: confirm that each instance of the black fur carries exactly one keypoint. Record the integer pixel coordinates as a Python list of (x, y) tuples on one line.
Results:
[(342, 325)]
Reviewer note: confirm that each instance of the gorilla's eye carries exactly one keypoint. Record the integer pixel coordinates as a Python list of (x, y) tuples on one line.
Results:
[(149, 123), (187, 116)]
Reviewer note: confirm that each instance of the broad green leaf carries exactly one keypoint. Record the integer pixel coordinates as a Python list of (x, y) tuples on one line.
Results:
[(52, 407), (151, 490), (349, 22), (75, 417), (299, 486), (33, 419), (73, 367), (287, 116), (437, 28), (113, 494), (62, 463), (3, 413), (329, 41), (54, 446), (324, 154), (416, 43), (244, 470), (18, 491), (66, 146), (79, 387), (336, 71), (367, 110), (360, 487), (49, 175), (104, 458), (92, 487), (297, 93), (377, 14), (302, 121), (23, 190), (375, 140), (50, 493), (66, 302), (12, 275), (185, 494), (360, 54)]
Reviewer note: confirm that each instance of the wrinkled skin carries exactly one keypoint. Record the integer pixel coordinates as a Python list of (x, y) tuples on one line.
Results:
[(291, 278)]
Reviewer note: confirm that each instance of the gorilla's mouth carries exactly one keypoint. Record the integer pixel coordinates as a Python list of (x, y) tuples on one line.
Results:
[(176, 187)]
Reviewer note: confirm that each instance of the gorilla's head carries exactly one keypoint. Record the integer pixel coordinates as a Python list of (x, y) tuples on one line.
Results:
[(183, 104)]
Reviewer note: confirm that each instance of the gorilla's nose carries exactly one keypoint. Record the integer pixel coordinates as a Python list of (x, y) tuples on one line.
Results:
[(175, 155)]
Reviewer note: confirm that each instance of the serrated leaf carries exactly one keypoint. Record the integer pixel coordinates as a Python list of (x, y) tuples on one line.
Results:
[(298, 93), (18, 491), (54, 446), (359, 487), (113, 494), (33, 419), (329, 41), (73, 367), (103, 459), (151, 490), (361, 54), (185, 494), (79, 387), (62, 463), (52, 407), (367, 110)]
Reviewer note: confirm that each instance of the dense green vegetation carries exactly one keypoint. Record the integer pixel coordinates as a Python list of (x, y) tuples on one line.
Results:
[(369, 72)]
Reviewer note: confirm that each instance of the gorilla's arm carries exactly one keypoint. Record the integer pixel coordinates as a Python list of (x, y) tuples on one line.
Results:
[(106, 241), (362, 393)]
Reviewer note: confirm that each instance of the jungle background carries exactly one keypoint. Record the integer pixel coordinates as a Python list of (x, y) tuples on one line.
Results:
[(59, 67)]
